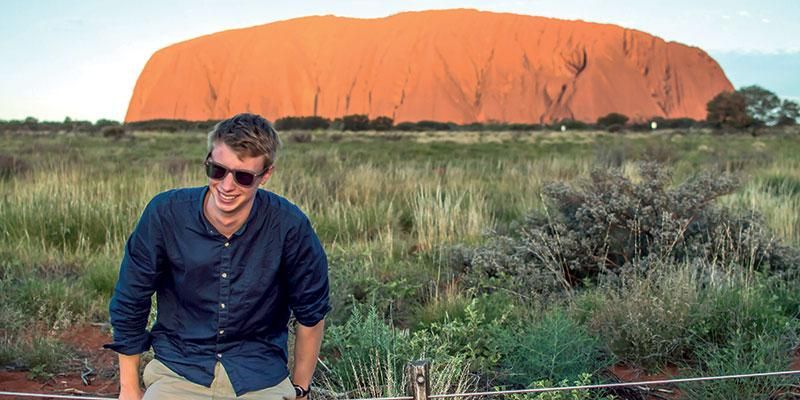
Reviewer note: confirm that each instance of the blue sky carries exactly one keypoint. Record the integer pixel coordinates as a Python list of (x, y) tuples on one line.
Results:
[(81, 58)]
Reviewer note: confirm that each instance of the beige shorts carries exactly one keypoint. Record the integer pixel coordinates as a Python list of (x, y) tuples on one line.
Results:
[(162, 383)]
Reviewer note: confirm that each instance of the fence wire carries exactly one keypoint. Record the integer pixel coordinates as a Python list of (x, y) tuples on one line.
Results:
[(493, 393)]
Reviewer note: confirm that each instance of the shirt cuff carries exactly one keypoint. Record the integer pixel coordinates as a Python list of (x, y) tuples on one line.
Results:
[(130, 346)]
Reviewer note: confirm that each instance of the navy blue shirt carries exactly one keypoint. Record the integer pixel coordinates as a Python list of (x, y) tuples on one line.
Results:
[(219, 299)]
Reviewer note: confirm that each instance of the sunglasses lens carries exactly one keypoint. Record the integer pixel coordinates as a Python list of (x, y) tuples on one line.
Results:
[(214, 171), (244, 178)]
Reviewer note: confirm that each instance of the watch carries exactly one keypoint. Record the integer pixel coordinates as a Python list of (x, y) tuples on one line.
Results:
[(300, 392)]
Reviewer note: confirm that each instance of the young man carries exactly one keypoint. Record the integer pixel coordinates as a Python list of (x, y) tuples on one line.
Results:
[(229, 263)]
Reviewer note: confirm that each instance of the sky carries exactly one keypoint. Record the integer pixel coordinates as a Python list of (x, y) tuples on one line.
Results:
[(81, 59)]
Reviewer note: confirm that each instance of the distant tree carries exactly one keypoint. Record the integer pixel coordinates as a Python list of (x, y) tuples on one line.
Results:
[(612, 119), (762, 105), (381, 123), (789, 113), (570, 124), (307, 123), (355, 122), (728, 110), (105, 122)]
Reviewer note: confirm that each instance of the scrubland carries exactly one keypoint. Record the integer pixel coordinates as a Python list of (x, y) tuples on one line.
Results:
[(508, 259)]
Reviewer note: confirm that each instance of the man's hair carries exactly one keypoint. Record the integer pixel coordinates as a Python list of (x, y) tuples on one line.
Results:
[(247, 135)]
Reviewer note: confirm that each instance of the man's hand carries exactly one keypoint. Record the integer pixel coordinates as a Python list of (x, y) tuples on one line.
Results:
[(129, 388), (308, 340)]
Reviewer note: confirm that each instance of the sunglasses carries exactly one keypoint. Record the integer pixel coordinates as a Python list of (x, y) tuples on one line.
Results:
[(242, 178)]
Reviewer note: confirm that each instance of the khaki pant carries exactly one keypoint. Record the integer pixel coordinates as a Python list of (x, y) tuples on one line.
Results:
[(163, 384)]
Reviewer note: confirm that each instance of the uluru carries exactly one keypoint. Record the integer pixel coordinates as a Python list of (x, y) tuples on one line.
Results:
[(459, 65)]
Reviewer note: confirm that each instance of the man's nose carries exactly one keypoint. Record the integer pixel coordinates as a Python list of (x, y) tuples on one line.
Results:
[(228, 182)]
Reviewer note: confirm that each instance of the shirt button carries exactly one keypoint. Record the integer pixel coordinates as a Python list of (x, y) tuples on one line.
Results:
[(221, 305), (224, 274), (227, 244), (222, 332), (219, 355)]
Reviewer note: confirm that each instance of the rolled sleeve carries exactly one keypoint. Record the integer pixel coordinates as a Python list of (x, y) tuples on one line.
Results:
[(130, 304), (306, 267)]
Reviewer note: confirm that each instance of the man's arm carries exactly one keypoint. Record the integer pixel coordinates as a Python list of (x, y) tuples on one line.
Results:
[(129, 388), (308, 340), (130, 305)]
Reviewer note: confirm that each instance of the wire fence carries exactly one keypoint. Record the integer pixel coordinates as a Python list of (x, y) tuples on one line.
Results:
[(420, 389)]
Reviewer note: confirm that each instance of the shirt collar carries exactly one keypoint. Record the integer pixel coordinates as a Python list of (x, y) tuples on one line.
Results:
[(209, 229)]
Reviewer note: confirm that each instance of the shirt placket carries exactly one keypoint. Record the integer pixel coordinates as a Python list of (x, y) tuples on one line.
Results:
[(224, 294)]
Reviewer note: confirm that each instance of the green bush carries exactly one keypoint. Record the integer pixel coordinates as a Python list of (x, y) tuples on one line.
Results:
[(367, 357), (555, 348), (381, 123), (305, 123), (612, 119), (355, 122), (611, 222)]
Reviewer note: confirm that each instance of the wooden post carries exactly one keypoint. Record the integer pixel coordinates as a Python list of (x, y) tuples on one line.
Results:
[(418, 379)]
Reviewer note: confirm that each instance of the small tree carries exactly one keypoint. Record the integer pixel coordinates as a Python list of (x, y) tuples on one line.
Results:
[(381, 123), (789, 112), (728, 110), (355, 122), (612, 119), (762, 105)]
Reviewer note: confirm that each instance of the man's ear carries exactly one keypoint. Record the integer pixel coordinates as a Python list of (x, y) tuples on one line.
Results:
[(267, 175)]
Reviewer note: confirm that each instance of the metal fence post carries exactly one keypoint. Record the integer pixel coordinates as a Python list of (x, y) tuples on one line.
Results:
[(418, 379)]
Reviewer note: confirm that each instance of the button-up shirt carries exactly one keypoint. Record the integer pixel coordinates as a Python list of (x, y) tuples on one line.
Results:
[(219, 299)]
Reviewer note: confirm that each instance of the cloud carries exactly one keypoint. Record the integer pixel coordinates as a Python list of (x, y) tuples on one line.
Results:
[(726, 16), (765, 20), (744, 13)]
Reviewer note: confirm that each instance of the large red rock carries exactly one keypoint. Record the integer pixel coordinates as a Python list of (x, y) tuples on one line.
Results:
[(452, 65)]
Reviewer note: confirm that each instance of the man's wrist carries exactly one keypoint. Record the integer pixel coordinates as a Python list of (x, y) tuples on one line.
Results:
[(301, 392)]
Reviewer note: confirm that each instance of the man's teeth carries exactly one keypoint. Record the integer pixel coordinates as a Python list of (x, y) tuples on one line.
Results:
[(225, 197)]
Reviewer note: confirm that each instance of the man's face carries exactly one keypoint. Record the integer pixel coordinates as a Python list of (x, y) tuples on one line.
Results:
[(228, 198)]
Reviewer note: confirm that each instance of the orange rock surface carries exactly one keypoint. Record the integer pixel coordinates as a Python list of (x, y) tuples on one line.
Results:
[(449, 65)]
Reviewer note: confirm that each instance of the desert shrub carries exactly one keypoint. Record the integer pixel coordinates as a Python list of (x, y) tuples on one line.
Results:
[(425, 126), (11, 166), (554, 348), (645, 320), (768, 352), (170, 125), (367, 357), (609, 222), (570, 124), (612, 119), (654, 315), (299, 137), (381, 123), (355, 122), (471, 335), (113, 132), (305, 123), (41, 356)]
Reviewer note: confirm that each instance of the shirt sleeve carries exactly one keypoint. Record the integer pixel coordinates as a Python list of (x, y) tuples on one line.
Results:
[(130, 304), (306, 267)]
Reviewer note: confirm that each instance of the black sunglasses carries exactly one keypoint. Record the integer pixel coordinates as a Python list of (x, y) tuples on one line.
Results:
[(242, 178)]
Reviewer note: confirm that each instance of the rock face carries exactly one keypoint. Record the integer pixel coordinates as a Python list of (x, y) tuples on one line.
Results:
[(451, 65)]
